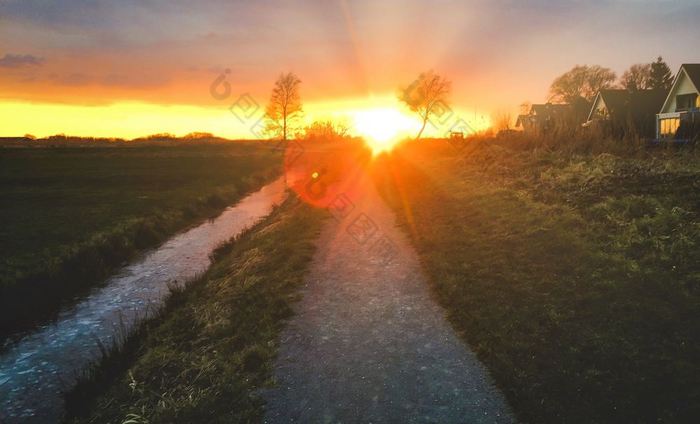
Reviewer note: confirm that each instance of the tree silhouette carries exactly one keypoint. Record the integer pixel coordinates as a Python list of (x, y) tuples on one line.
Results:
[(327, 130), (502, 120), (660, 75), (284, 106), (581, 82), (637, 77), (427, 94)]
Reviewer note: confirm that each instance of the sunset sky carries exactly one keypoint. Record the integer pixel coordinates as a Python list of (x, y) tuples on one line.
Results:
[(130, 68)]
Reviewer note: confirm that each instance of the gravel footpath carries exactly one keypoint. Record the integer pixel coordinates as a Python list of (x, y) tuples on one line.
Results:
[(368, 343)]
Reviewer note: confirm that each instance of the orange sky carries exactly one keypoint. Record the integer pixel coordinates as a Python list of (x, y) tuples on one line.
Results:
[(132, 68)]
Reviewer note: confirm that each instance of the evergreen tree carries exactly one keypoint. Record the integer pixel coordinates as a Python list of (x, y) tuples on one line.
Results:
[(660, 76)]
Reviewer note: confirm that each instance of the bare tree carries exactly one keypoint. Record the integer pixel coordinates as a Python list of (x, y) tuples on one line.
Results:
[(501, 120), (284, 106), (581, 82), (637, 77), (428, 94)]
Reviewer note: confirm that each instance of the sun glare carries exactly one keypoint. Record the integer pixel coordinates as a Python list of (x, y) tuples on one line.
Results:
[(382, 128)]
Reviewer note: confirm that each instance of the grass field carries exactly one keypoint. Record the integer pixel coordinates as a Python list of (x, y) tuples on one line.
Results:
[(70, 215), (212, 346), (572, 271)]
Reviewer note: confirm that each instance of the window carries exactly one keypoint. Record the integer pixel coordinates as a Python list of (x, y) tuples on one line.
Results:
[(668, 127), (686, 101)]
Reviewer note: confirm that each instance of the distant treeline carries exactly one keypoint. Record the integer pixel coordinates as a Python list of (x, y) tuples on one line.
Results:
[(62, 139)]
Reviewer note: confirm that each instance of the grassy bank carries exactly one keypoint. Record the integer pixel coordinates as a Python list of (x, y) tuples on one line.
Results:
[(212, 346), (71, 215), (571, 270)]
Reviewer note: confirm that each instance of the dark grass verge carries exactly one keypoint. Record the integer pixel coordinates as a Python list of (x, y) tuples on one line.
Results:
[(37, 297), (572, 273), (211, 348)]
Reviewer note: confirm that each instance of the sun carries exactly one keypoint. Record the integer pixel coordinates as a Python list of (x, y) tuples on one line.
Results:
[(382, 128)]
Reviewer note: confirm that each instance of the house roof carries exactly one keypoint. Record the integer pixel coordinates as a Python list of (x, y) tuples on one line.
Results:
[(645, 103), (693, 71), (635, 103), (598, 98), (549, 109), (615, 100)]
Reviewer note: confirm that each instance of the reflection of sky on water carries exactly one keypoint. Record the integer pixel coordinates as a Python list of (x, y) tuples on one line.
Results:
[(40, 366)]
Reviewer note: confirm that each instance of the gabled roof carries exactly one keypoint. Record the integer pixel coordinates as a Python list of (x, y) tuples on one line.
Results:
[(615, 101), (598, 98), (621, 103), (548, 109), (692, 70), (647, 102), (540, 113)]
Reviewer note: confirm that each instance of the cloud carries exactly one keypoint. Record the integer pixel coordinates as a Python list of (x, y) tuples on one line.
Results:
[(19, 60), (73, 79), (134, 81), (495, 51)]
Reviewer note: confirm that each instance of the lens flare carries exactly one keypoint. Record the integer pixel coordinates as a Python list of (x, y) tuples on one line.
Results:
[(383, 128)]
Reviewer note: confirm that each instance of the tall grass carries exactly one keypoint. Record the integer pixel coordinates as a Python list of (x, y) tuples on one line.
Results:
[(569, 266), (209, 351), (73, 215)]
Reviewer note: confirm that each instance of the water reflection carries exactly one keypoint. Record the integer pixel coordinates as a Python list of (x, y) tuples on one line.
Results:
[(35, 370)]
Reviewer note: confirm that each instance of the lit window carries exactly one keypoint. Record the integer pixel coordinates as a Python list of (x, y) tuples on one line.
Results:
[(669, 126)]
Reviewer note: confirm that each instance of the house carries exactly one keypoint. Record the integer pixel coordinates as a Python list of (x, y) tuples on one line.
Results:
[(679, 117), (620, 112), (543, 117), (524, 122)]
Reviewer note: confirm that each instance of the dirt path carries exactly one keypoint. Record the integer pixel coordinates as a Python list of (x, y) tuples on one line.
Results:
[(368, 344)]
